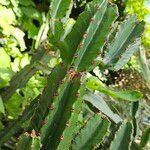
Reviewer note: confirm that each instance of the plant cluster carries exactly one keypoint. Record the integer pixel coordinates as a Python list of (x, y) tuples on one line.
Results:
[(72, 109)]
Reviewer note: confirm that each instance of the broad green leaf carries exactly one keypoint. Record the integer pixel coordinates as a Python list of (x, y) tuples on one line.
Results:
[(31, 29), (5, 76), (4, 59), (17, 34), (2, 82), (128, 95), (14, 105)]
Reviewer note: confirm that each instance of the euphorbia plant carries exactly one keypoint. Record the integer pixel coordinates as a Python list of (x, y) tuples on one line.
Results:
[(95, 39)]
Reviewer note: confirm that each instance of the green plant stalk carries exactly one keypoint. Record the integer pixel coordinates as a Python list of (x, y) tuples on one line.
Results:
[(59, 10), (94, 38), (143, 61), (65, 143), (145, 137), (47, 96), (92, 134), (29, 141), (123, 137), (60, 113), (78, 49), (128, 32), (71, 42)]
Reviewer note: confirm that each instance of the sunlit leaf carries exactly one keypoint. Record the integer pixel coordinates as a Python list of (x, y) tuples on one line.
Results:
[(128, 95), (4, 59), (2, 109)]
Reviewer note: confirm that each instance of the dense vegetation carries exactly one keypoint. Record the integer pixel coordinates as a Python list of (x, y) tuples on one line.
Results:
[(74, 74)]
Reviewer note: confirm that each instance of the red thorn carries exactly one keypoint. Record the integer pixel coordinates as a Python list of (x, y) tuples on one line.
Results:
[(44, 122), (72, 110), (97, 7), (33, 134), (62, 81), (72, 73), (92, 19), (62, 137), (67, 124), (51, 107), (78, 94), (93, 63), (62, 64), (85, 35), (80, 45), (76, 55), (55, 94)]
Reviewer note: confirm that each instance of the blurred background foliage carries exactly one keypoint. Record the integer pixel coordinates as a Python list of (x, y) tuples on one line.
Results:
[(20, 22), (142, 9)]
